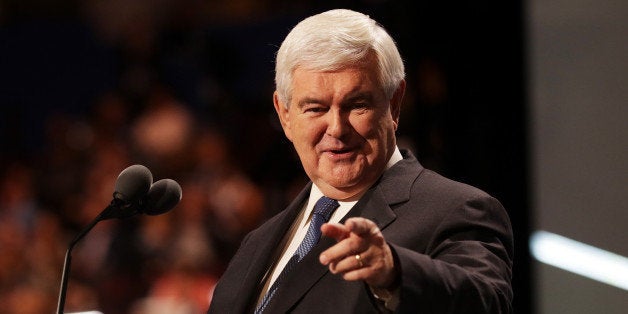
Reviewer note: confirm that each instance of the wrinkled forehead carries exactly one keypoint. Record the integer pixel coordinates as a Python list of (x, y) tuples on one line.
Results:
[(369, 66)]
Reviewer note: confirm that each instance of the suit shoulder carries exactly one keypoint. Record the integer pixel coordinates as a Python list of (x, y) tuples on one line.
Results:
[(434, 183), (447, 196)]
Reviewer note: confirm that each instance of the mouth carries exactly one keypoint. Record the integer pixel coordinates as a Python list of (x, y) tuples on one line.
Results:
[(340, 152)]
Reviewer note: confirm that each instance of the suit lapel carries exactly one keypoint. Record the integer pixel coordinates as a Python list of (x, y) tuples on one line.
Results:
[(391, 189), (302, 278), (266, 251)]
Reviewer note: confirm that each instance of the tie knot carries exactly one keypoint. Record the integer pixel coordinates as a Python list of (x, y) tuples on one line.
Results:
[(325, 206)]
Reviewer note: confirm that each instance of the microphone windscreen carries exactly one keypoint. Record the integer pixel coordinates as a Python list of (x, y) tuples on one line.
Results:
[(133, 183), (162, 197)]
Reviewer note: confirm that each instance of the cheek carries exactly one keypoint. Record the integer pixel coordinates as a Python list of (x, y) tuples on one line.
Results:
[(308, 132), (378, 134), (369, 128), (305, 138)]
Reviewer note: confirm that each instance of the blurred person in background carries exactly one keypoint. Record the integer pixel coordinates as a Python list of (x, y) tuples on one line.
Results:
[(400, 238), (29, 245), (185, 251)]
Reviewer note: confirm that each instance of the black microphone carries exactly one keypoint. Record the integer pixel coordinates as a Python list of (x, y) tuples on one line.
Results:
[(132, 183), (132, 186), (134, 193), (162, 197)]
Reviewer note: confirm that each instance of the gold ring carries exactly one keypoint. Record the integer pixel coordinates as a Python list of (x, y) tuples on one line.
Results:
[(359, 259)]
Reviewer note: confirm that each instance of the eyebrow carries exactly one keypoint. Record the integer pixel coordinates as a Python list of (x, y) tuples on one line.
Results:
[(308, 100), (358, 96)]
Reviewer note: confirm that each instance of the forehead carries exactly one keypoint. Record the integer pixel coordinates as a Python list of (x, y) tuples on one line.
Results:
[(342, 80)]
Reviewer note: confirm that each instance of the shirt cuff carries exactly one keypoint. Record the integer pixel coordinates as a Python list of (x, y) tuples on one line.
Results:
[(390, 299)]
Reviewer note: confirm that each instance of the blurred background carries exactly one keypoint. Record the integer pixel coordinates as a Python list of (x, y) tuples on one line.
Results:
[(525, 100)]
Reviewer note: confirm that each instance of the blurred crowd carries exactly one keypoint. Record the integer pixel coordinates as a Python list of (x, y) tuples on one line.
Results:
[(147, 264), (162, 93)]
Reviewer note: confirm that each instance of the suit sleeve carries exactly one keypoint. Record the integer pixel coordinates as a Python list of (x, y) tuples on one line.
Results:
[(467, 267)]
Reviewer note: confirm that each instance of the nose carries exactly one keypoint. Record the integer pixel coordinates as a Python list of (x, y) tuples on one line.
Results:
[(338, 123)]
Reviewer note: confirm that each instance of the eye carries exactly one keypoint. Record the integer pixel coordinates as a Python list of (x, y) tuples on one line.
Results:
[(359, 103), (314, 108), (359, 106)]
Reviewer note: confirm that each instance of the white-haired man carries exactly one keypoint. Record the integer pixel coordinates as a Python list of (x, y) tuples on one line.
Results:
[(398, 237)]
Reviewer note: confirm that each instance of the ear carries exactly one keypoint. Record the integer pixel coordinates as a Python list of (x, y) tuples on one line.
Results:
[(284, 115), (395, 102)]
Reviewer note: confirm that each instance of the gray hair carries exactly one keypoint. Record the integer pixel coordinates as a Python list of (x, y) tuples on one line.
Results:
[(334, 40)]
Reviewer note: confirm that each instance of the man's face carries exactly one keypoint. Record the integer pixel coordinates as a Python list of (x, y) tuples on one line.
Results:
[(342, 126)]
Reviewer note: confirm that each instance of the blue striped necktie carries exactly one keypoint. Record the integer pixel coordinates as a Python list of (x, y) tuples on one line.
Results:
[(323, 209)]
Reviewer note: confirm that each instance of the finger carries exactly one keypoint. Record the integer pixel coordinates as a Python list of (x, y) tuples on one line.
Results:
[(354, 237), (376, 270), (349, 263), (358, 274), (362, 226), (342, 249), (333, 230)]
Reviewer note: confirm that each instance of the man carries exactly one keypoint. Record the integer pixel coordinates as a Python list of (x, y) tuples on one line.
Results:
[(400, 238)]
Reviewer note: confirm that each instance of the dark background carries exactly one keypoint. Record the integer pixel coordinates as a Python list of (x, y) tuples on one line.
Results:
[(70, 68)]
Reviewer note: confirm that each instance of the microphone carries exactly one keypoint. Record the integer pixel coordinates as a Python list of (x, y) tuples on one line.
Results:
[(162, 197), (132, 186), (132, 183), (134, 193)]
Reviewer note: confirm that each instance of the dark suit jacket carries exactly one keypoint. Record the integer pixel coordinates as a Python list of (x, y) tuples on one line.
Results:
[(451, 242)]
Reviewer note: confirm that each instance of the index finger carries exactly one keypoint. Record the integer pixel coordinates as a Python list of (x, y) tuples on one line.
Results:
[(335, 230), (361, 226)]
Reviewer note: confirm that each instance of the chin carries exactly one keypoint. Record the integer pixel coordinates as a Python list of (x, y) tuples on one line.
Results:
[(343, 184)]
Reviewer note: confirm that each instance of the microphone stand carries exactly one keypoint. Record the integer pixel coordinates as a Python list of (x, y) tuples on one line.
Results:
[(107, 213)]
